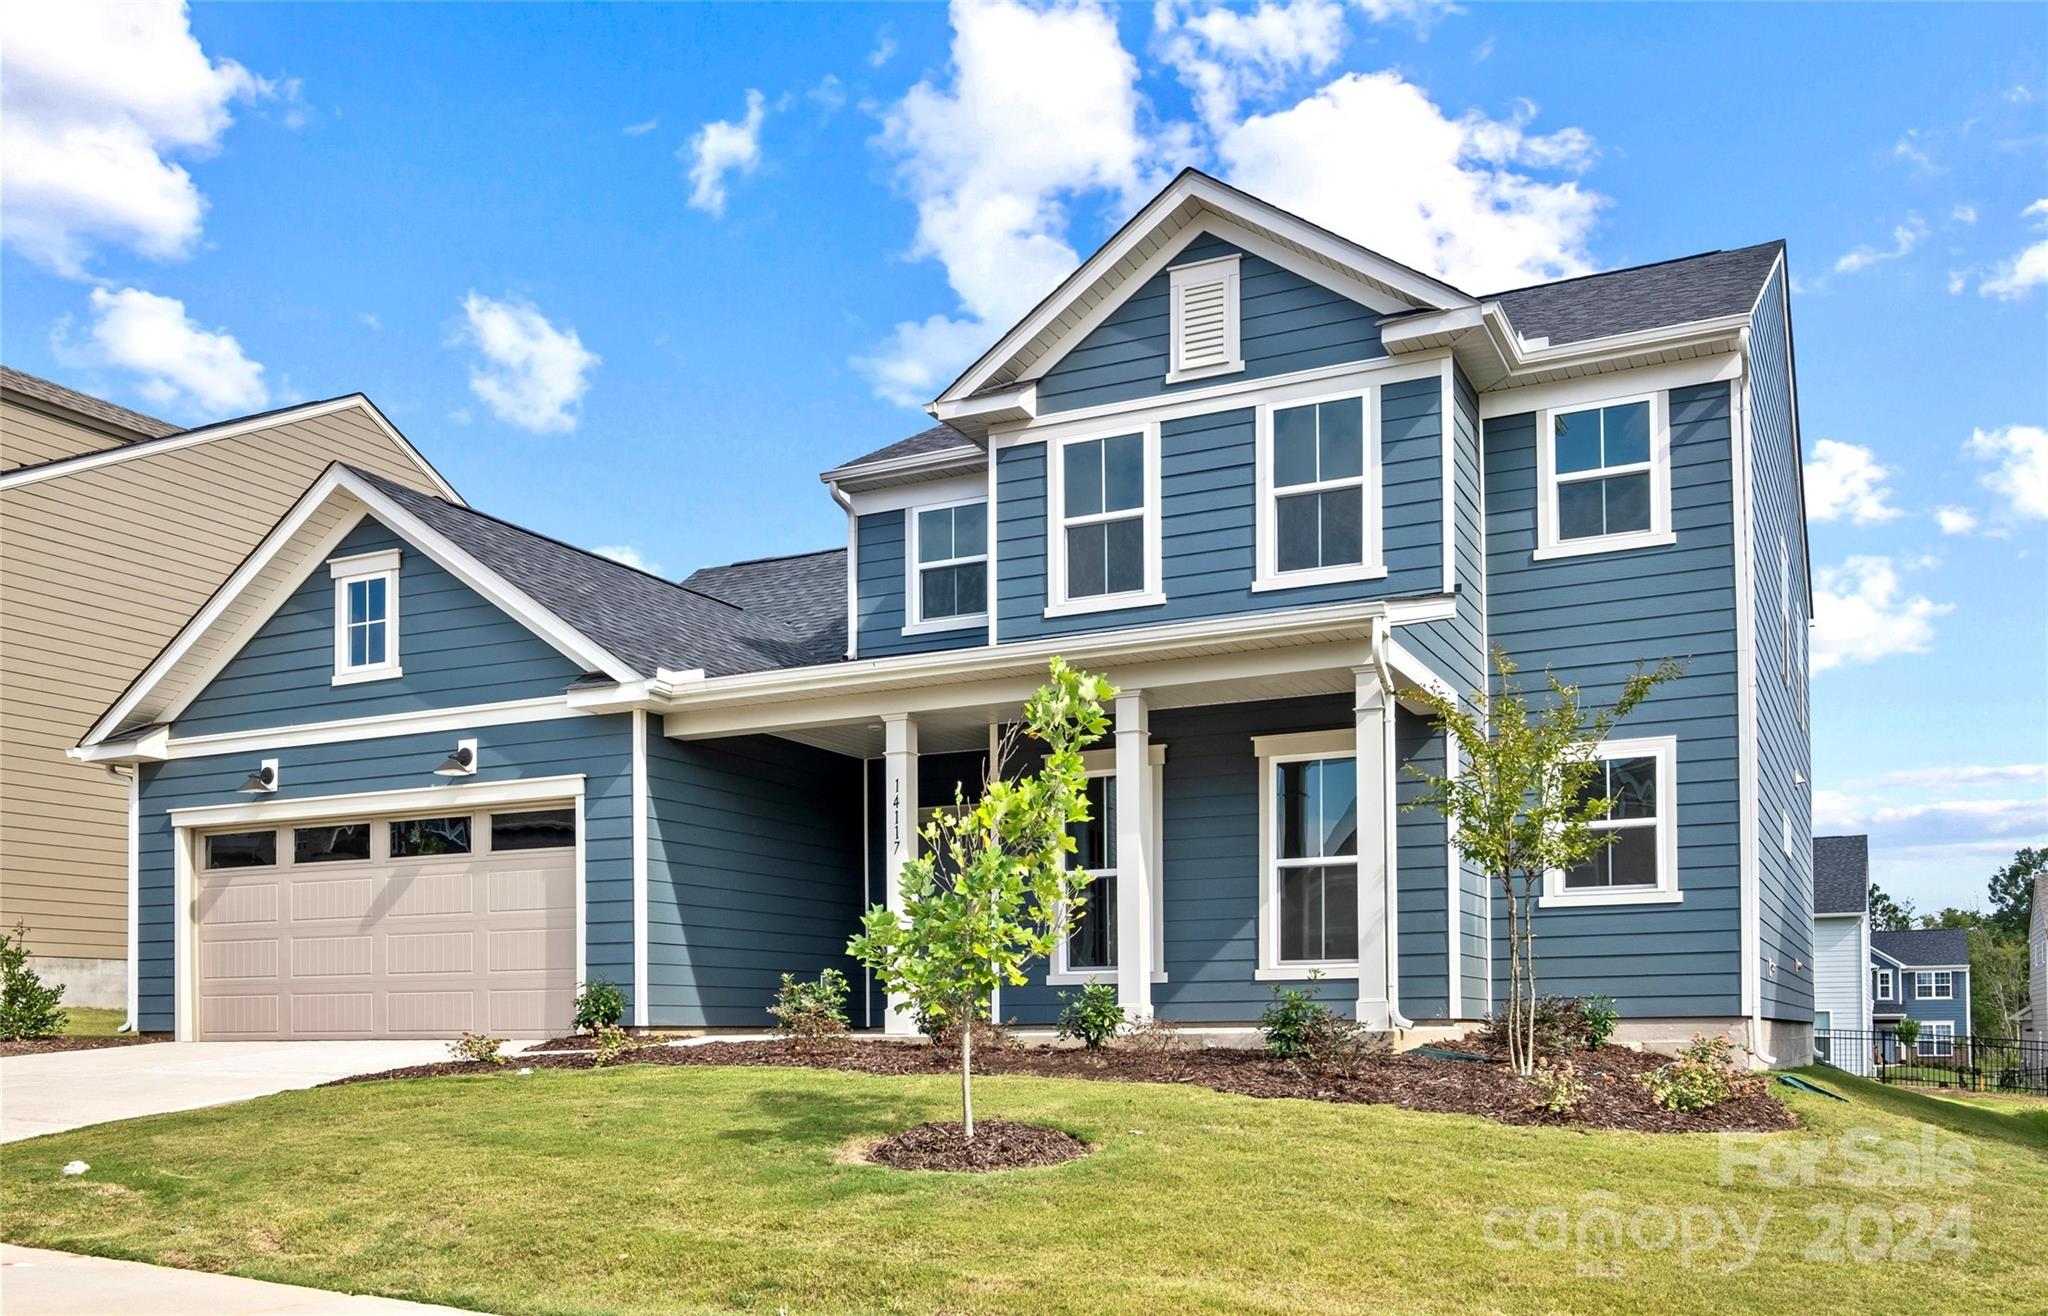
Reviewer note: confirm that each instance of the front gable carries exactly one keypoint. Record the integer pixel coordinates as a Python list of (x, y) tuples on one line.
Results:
[(453, 648)]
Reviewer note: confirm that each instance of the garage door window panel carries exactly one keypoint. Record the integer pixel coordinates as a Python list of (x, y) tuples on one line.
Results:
[(426, 838), (541, 829), (334, 843), (241, 850)]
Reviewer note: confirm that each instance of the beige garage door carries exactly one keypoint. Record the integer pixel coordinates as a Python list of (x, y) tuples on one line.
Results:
[(389, 927)]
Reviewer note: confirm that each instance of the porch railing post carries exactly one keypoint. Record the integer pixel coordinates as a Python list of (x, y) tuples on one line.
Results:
[(1134, 913), (899, 813)]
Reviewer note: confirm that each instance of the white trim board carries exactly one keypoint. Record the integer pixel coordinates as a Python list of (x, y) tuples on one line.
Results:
[(229, 429)]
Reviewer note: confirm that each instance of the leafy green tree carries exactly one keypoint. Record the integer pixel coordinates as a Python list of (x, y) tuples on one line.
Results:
[(1523, 803), (1888, 915), (992, 890), (2012, 894), (1998, 983)]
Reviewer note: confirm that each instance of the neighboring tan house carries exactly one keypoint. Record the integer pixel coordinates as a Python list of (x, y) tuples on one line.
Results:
[(421, 771), (115, 528), (1841, 946)]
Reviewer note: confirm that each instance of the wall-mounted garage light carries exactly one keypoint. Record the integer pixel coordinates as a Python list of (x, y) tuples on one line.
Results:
[(462, 763), (262, 781)]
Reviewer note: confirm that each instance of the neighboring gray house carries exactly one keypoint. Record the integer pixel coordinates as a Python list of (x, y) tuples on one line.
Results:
[(2034, 1019), (1841, 944), (1923, 974), (415, 770)]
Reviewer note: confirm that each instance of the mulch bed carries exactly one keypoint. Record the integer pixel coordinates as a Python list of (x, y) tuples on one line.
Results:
[(35, 1046), (997, 1145), (1408, 1080)]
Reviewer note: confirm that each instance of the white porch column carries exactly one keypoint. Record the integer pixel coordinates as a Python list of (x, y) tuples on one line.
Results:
[(899, 815), (1134, 936), (1374, 710)]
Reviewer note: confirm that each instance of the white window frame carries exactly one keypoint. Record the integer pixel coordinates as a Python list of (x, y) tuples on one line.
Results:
[(1940, 1031), (1195, 274), (914, 622), (1102, 763), (1272, 752), (347, 571), (1663, 749), (1927, 984), (1882, 985), (1268, 575), (1058, 604), (1548, 544)]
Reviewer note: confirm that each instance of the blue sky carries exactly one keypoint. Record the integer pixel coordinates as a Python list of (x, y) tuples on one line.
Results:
[(633, 276)]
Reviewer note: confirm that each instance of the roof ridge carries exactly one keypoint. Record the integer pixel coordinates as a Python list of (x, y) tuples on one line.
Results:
[(772, 557), (1631, 269)]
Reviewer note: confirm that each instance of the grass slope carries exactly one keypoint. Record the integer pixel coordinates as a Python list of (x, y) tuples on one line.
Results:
[(645, 1190)]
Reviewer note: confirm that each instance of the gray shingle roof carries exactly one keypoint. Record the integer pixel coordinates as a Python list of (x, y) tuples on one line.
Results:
[(646, 622), (1670, 292), (1841, 874), (133, 423), (806, 591), (1924, 945), (937, 439)]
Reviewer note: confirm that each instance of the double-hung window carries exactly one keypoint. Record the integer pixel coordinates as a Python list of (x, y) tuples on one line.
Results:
[(1640, 864), (1318, 516), (365, 616), (1105, 536), (1937, 1038), (1937, 985), (1881, 984), (1605, 472), (1089, 951), (1308, 901), (949, 557)]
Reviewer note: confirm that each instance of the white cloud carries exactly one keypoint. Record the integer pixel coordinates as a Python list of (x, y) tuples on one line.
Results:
[(1955, 520), (1863, 613), (181, 365), (96, 100), (884, 51), (1844, 479), (721, 147), (2013, 279), (628, 555), (1964, 214), (1999, 774), (1420, 14), (1224, 56), (1905, 237), (642, 128), (1042, 105), (2021, 452), (370, 320), (1428, 190), (532, 374)]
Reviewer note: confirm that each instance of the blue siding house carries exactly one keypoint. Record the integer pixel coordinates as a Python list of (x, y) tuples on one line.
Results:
[(1922, 974), (415, 770)]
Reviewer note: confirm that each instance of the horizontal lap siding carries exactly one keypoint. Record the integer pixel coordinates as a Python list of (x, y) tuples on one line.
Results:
[(599, 748), (1783, 748), (1592, 620), (754, 870), (882, 606), (456, 648), (1286, 323), (1208, 531), (1422, 864)]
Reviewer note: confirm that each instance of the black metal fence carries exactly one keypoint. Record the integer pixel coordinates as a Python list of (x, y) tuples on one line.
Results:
[(1939, 1059)]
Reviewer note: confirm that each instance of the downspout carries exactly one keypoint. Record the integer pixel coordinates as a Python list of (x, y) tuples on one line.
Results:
[(132, 990), (1381, 634)]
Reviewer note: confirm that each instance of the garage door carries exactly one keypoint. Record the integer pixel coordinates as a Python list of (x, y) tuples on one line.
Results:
[(389, 927)]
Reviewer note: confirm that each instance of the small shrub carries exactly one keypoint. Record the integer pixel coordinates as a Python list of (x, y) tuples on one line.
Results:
[(1332, 1043), (1704, 1075), (478, 1047), (1563, 1024), (28, 1006), (1294, 1012), (1559, 1089), (811, 1009), (1598, 1016), (613, 1042), (1091, 1014), (600, 1003)]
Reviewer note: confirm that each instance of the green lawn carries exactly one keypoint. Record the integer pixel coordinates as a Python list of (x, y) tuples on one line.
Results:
[(643, 1189), (91, 1021)]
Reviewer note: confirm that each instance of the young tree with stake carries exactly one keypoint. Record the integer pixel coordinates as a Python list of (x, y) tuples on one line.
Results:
[(992, 890), (1523, 803)]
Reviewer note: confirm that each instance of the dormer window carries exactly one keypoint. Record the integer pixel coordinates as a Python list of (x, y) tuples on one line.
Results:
[(365, 617), (1204, 315)]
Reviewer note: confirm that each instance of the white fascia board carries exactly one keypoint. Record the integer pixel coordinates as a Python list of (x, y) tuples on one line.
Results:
[(152, 746), (1227, 202), (477, 795), (975, 414), (229, 429), (158, 745)]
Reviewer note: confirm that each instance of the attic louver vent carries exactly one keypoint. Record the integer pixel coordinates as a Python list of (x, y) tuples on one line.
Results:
[(1205, 320)]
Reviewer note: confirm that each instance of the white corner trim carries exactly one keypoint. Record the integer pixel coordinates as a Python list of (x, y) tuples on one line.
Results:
[(640, 884), (134, 863), (1749, 788)]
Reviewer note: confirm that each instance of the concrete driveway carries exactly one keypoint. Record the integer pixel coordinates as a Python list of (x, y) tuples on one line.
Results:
[(40, 1283), (70, 1089)]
